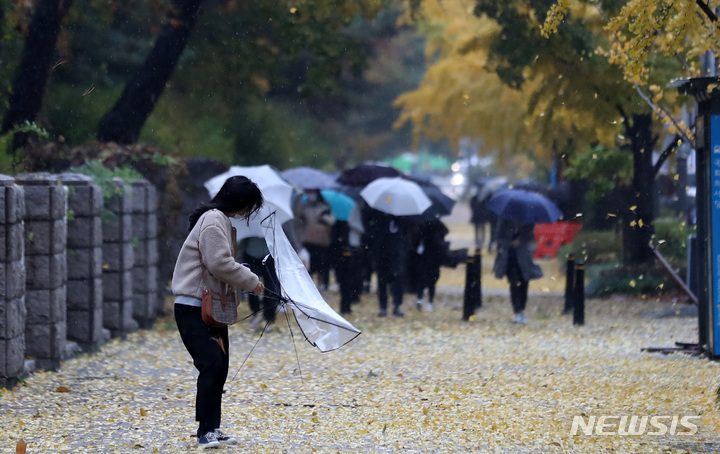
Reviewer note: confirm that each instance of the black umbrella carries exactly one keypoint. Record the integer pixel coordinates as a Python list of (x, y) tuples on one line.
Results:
[(442, 205), (363, 174)]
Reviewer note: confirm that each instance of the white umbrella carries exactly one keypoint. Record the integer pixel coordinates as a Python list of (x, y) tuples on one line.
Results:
[(396, 196), (276, 191)]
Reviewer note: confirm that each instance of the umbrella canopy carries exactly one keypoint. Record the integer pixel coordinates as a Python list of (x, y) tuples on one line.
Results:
[(276, 191), (524, 206), (396, 196), (341, 205), (320, 324), (531, 185), (489, 186), (309, 178), (442, 204), (363, 174)]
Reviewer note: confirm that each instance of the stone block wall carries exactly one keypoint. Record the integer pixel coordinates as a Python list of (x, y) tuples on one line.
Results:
[(146, 300), (12, 287), (118, 261), (73, 265), (84, 262), (45, 263)]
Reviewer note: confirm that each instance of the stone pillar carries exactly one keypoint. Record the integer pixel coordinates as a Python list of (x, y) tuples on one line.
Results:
[(118, 260), (46, 272), (84, 262), (12, 287), (146, 300)]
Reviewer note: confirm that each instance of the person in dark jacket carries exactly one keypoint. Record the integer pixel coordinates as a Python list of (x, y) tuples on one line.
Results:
[(388, 245), (480, 217), (514, 260), (427, 250)]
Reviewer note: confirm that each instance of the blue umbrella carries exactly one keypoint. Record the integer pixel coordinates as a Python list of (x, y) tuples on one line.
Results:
[(524, 206), (340, 204)]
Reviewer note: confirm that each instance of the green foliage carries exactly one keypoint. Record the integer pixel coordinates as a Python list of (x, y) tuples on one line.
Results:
[(8, 161), (279, 135), (103, 176), (671, 237), (622, 281), (605, 168), (75, 110), (594, 247)]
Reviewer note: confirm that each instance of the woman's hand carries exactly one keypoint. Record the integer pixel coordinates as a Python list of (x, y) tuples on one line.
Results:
[(259, 289)]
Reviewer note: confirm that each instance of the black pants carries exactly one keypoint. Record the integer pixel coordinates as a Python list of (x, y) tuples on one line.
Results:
[(349, 277), (319, 263), (431, 291), (518, 286), (267, 274), (202, 342)]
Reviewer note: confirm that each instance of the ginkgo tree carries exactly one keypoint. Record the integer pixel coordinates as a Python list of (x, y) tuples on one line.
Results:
[(566, 94)]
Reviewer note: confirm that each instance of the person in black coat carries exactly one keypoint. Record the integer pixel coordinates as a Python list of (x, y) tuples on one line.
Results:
[(426, 254), (480, 216), (388, 244), (514, 260)]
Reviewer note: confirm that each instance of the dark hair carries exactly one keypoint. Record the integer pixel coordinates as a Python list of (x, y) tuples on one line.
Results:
[(238, 193)]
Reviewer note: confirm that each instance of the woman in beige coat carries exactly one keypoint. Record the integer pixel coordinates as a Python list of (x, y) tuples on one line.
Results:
[(207, 255)]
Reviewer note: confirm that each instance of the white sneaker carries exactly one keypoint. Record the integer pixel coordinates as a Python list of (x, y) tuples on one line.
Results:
[(419, 304), (520, 318), (430, 307)]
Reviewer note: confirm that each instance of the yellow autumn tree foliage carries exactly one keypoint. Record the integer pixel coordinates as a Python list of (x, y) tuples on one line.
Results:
[(458, 97), (462, 96), (642, 33)]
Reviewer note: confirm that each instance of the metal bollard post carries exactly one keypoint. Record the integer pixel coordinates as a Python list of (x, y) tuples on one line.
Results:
[(579, 292), (569, 285), (478, 266), (469, 299)]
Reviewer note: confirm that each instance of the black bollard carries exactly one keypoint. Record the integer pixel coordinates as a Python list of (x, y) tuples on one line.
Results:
[(471, 286), (478, 267), (579, 295), (569, 285)]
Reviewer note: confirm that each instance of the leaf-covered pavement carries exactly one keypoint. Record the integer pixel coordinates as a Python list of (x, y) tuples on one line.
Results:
[(427, 383)]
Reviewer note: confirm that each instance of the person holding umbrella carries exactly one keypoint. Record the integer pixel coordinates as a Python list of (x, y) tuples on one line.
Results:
[(514, 260), (206, 258), (518, 212), (392, 203)]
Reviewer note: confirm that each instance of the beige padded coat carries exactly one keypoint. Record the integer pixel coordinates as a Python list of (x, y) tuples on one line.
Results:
[(213, 236)]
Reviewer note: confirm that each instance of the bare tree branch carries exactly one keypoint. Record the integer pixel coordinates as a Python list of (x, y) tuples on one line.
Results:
[(707, 10)]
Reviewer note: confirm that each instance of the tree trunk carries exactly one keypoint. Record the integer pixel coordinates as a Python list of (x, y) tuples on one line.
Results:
[(124, 121), (28, 88), (638, 220)]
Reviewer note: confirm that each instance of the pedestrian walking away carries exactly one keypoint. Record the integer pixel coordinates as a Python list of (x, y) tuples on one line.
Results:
[(208, 255), (425, 258), (514, 260), (389, 247)]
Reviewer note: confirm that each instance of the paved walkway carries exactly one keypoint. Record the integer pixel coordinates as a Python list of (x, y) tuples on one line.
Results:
[(425, 383)]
